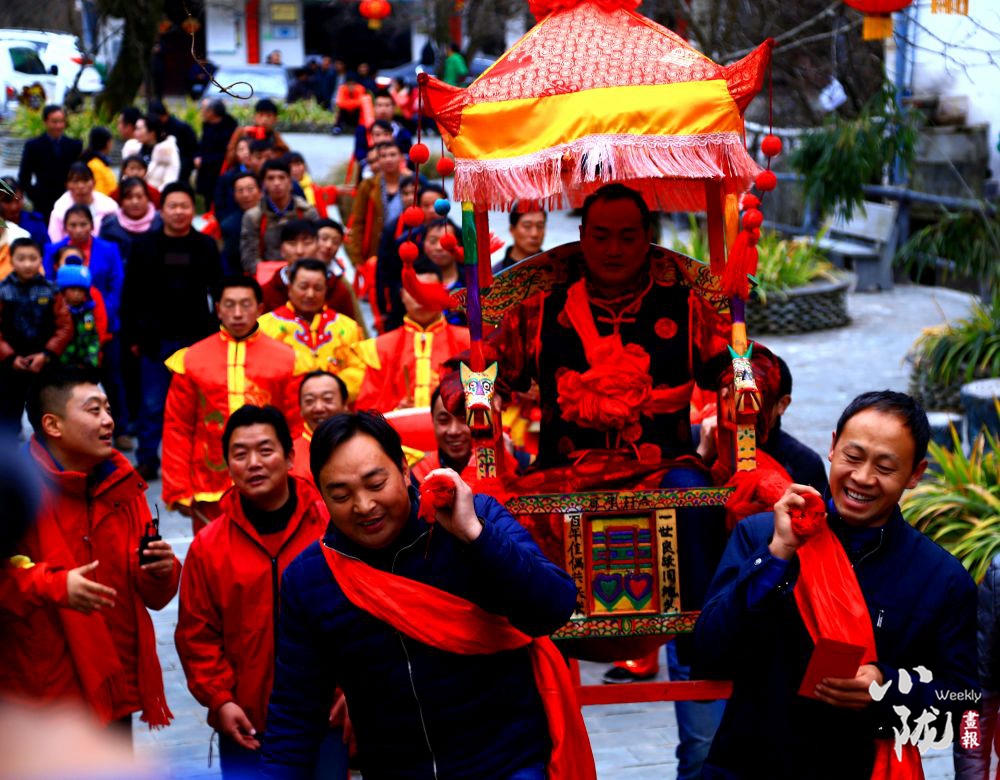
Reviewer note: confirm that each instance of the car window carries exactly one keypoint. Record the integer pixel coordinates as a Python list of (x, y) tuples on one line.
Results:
[(26, 60)]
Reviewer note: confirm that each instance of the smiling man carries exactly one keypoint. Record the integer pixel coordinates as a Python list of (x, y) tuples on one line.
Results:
[(454, 440), (921, 602), (321, 396), (430, 689), (229, 595), (85, 538), (211, 379)]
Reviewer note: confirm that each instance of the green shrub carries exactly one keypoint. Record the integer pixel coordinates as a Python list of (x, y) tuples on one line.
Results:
[(961, 351), (958, 503), (782, 264)]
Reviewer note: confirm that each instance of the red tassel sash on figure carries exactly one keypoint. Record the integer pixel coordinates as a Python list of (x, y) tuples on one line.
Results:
[(454, 625)]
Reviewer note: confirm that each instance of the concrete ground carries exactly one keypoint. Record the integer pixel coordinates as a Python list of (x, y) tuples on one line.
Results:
[(629, 740)]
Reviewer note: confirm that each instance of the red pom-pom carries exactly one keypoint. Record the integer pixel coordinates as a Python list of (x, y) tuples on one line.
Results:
[(408, 252), (766, 181), (419, 153), (750, 201), (752, 218), (413, 216), (437, 492), (446, 166), (449, 242), (770, 145)]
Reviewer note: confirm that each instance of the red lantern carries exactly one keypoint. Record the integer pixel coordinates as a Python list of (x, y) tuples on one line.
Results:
[(878, 16), (419, 153), (375, 11)]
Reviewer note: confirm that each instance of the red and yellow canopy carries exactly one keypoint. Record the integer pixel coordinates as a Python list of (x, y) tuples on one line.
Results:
[(596, 93)]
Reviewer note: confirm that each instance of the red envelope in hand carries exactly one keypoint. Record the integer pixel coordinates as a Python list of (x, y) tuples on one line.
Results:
[(831, 658)]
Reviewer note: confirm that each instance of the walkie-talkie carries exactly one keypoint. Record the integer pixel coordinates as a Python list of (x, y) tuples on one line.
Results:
[(150, 534)]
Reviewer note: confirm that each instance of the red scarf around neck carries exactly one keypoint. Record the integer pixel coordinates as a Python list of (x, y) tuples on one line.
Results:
[(450, 623), (832, 605)]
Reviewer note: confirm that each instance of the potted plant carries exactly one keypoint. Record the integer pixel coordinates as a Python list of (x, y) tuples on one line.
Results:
[(946, 356), (796, 289), (958, 502)]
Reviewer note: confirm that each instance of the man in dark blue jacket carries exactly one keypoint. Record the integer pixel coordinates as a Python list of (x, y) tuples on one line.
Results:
[(417, 711), (922, 605)]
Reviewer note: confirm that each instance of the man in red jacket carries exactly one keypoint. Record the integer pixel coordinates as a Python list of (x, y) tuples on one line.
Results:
[(211, 379), (229, 598), (85, 548)]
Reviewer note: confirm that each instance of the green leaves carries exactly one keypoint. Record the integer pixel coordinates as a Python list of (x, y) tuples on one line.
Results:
[(969, 240), (963, 350), (958, 503), (839, 158)]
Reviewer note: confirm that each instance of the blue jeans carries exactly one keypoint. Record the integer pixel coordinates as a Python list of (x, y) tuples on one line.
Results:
[(697, 722), (701, 540), (154, 381), (238, 763)]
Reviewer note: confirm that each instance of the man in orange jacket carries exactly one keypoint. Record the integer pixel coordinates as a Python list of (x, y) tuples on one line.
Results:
[(405, 365), (229, 598), (82, 552), (211, 380), (321, 396)]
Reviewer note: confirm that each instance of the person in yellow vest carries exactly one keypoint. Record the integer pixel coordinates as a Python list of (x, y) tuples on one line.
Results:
[(321, 396), (321, 337), (211, 379), (404, 365)]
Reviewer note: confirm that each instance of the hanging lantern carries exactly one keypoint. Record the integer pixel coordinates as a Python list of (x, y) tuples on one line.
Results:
[(375, 11), (191, 25), (950, 7), (878, 16)]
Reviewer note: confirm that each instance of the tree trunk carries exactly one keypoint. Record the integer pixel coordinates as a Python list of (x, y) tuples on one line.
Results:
[(131, 71)]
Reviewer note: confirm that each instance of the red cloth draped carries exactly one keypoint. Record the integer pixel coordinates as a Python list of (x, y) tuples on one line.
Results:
[(450, 623), (832, 605)]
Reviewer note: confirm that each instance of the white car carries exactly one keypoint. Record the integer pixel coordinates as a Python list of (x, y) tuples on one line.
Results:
[(61, 54), (22, 69)]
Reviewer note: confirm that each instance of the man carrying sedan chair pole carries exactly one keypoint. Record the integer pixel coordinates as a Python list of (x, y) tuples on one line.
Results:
[(431, 612)]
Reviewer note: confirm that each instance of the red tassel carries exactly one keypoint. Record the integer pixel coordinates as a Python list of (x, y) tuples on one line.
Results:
[(742, 261), (437, 492), (429, 296)]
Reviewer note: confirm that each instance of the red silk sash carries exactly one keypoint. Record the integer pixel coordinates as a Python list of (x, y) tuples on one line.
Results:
[(832, 605), (455, 625)]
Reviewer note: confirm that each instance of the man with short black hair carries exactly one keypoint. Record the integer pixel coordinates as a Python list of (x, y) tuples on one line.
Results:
[(84, 544), (378, 202), (527, 228), (246, 194), (400, 659), (803, 464), (260, 234), (166, 306), (920, 601), (232, 574), (321, 396), (323, 338), (299, 241), (211, 379), (383, 110), (46, 159), (126, 122), (454, 440), (265, 120)]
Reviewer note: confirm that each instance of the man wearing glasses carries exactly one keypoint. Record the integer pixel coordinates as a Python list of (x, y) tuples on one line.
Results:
[(211, 379)]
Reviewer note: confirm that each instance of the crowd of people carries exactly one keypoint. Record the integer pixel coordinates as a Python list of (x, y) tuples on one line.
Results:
[(241, 361)]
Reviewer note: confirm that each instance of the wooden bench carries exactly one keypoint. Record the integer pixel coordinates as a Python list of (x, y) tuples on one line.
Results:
[(865, 244)]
